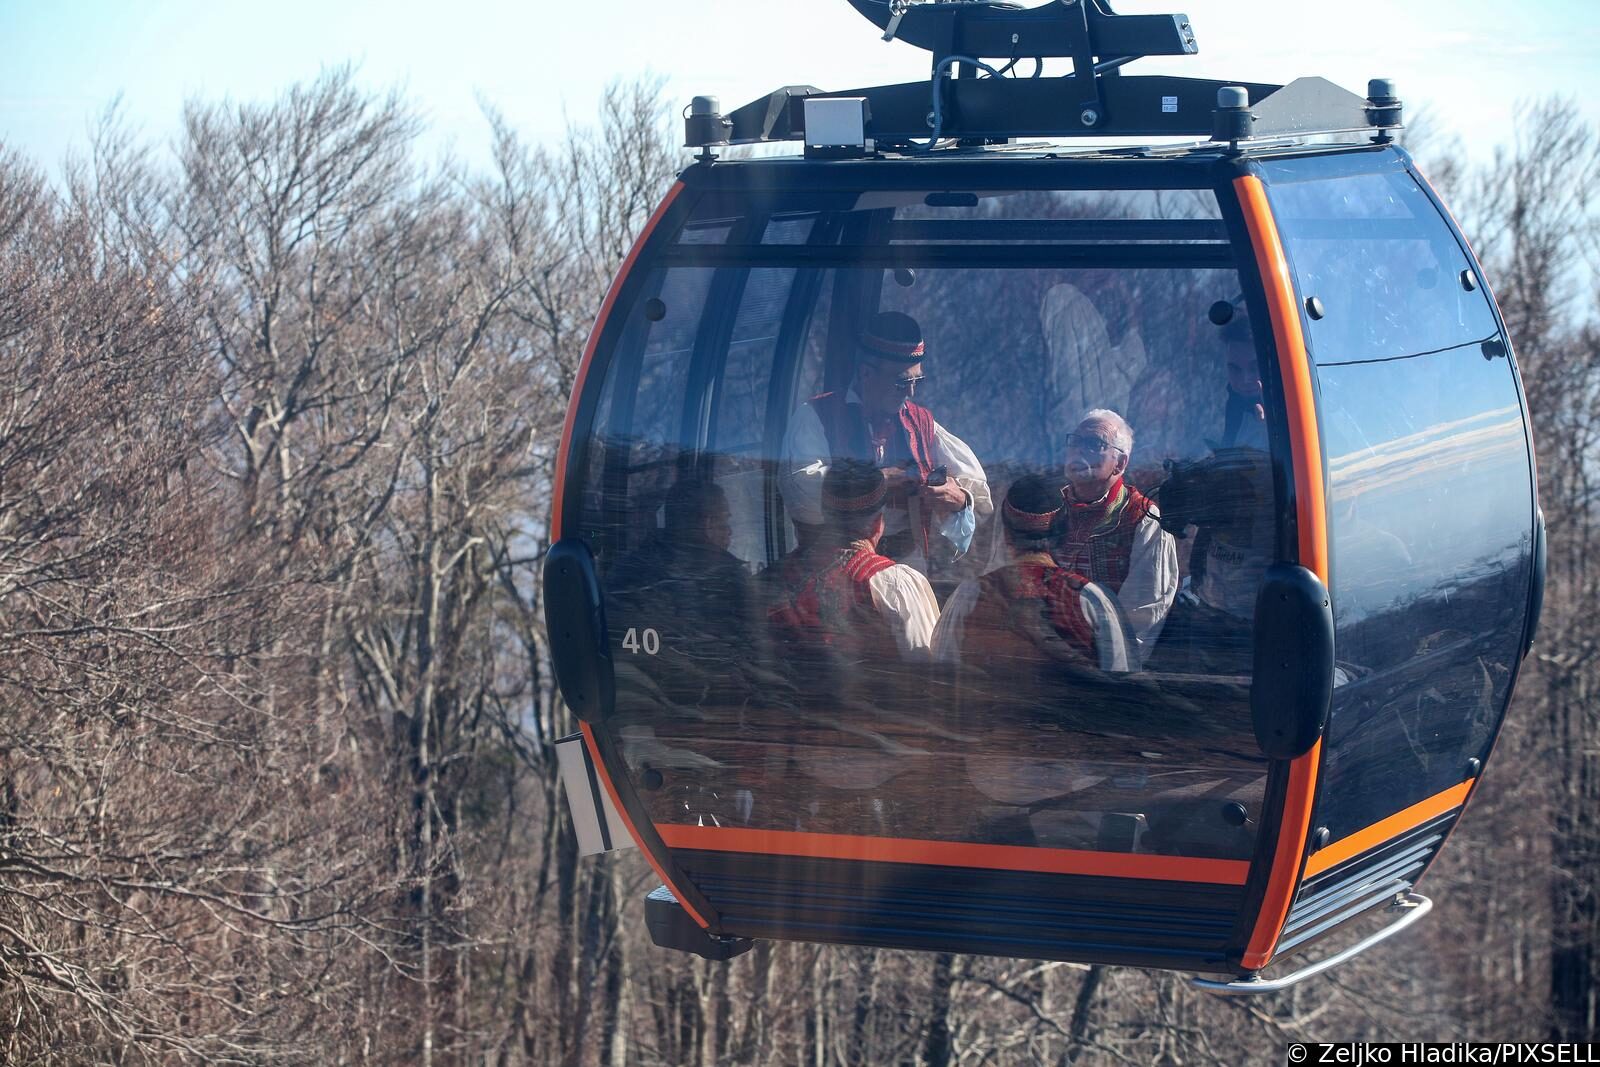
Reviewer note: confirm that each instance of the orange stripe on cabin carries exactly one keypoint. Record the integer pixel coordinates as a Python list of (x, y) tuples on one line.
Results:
[(1293, 829), (616, 801), (1311, 517), (954, 854), (1385, 829), (564, 450)]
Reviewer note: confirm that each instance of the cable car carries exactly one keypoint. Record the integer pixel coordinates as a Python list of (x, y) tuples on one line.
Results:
[(1290, 632)]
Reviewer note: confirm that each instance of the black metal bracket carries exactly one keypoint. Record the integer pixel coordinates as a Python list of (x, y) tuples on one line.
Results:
[(997, 109), (1001, 108), (1083, 30)]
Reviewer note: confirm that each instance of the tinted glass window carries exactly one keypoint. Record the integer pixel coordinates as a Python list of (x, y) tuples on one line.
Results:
[(742, 389), (952, 677), (1373, 251), (1431, 517), (1429, 492)]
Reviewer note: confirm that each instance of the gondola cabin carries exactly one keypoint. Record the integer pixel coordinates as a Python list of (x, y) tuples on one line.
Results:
[(1119, 555)]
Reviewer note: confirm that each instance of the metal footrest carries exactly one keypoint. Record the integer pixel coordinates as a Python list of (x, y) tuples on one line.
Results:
[(1412, 906)]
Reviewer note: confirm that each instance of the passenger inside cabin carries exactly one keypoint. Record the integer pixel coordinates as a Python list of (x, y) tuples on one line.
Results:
[(684, 584), (694, 539), (1244, 421), (843, 601), (1111, 534), (936, 489), (845, 623), (1227, 498), (1031, 611)]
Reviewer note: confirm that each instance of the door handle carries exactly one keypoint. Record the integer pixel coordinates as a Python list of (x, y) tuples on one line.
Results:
[(1291, 687)]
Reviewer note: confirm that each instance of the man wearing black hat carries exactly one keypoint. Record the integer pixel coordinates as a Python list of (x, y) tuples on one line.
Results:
[(1031, 610), (845, 597), (937, 489)]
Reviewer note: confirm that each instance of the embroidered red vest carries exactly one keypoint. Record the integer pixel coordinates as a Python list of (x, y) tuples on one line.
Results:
[(834, 606), (1103, 550), (1020, 608), (846, 428)]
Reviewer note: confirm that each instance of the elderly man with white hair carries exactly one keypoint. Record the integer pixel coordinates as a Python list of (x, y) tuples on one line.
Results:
[(1110, 533)]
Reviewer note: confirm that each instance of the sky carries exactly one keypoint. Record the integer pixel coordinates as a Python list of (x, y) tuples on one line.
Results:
[(543, 63)]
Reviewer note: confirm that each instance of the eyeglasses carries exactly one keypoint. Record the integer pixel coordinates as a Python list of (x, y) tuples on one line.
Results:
[(909, 385), (1090, 445)]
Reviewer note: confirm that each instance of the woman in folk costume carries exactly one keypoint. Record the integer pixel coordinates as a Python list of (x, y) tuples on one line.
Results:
[(1110, 531), (1031, 610), (937, 489)]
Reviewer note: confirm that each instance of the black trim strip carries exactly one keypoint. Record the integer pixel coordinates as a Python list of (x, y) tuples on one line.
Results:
[(1145, 230), (1479, 342), (945, 172), (1286, 496), (1175, 256)]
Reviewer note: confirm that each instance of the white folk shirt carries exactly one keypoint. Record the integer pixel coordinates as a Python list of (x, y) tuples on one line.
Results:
[(805, 461), (1152, 584), (906, 601)]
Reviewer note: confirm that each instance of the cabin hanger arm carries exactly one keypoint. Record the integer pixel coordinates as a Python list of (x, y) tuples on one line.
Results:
[(1096, 39), (1058, 29)]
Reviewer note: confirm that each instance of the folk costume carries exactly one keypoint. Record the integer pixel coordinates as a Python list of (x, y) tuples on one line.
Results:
[(1016, 624), (844, 618), (1031, 610), (836, 425), (1117, 542), (849, 599)]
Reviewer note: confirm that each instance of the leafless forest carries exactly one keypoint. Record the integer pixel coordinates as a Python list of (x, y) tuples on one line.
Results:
[(276, 779)]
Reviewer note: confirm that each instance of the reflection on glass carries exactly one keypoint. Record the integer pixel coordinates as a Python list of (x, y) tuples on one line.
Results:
[(1430, 500), (1373, 250), (823, 623), (1431, 516)]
